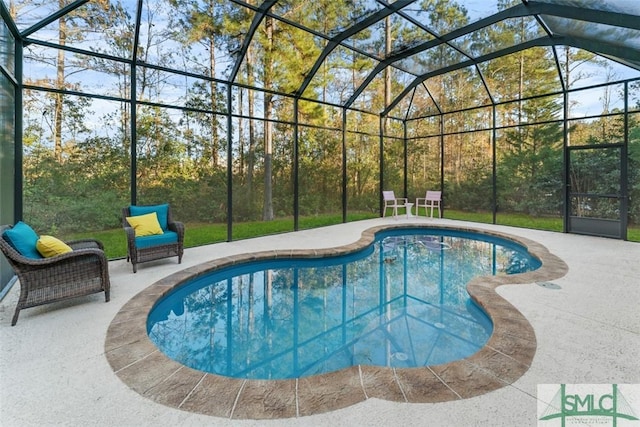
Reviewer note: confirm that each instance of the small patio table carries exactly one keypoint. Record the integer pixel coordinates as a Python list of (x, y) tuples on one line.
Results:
[(408, 207)]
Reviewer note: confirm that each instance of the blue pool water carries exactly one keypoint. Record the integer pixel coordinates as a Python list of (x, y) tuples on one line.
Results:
[(401, 302)]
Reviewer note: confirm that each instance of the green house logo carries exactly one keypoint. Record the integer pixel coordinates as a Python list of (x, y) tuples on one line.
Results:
[(588, 405)]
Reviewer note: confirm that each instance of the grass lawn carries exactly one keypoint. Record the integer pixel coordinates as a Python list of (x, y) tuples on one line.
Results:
[(198, 234), (525, 221), (514, 220)]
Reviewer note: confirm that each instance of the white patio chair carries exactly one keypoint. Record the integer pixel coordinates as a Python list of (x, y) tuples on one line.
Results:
[(393, 202), (430, 201)]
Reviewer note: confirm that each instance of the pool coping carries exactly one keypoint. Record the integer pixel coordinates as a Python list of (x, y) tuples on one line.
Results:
[(505, 358)]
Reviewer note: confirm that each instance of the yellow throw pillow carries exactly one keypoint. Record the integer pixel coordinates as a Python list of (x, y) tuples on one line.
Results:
[(49, 246), (145, 225)]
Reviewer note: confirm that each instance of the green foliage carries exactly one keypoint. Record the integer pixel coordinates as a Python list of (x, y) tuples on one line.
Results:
[(77, 166)]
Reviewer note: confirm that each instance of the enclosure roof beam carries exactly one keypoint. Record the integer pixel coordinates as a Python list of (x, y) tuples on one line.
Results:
[(623, 54), (136, 34), (354, 29), (531, 8), (8, 20), (513, 12), (53, 17), (584, 14), (261, 12), (543, 41)]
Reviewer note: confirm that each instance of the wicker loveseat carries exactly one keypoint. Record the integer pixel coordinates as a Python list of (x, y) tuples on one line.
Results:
[(168, 243), (82, 271)]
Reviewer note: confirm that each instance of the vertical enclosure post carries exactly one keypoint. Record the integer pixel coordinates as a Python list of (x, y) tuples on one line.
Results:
[(381, 171), (494, 172), (624, 166), (134, 106), (344, 165), (406, 161), (442, 203), (566, 205), (296, 165), (229, 164), (18, 206)]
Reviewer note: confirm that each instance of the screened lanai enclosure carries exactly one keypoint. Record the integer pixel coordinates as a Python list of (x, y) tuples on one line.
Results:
[(255, 117)]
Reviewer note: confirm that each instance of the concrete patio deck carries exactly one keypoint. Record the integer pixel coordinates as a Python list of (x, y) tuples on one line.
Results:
[(53, 368)]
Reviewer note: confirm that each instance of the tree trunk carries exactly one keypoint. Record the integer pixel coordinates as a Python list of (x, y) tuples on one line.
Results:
[(214, 118), (241, 148), (267, 212), (60, 77), (252, 133)]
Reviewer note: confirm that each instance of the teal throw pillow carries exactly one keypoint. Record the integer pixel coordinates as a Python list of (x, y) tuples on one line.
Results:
[(23, 239)]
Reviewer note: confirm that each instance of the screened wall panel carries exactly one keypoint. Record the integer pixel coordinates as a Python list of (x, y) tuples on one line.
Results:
[(529, 172), (363, 169), (423, 166), (248, 102), (529, 111), (262, 189), (452, 90), (422, 104), (393, 160), (597, 130), (634, 176), (596, 101), (582, 69), (7, 49), (522, 74), (182, 158), (53, 68), (282, 171), (594, 190), (634, 96), (428, 126), (468, 179), (318, 114), (104, 28), (468, 120), (271, 61), (158, 153), (7, 158), (248, 170), (193, 143), (76, 175), (190, 37), (501, 35), (394, 128), (176, 90), (320, 176)]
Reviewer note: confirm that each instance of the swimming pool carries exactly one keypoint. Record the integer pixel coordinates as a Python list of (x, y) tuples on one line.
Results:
[(508, 354), (400, 302)]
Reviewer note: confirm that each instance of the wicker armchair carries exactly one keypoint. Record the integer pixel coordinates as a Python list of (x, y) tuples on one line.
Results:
[(81, 272), (143, 249)]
